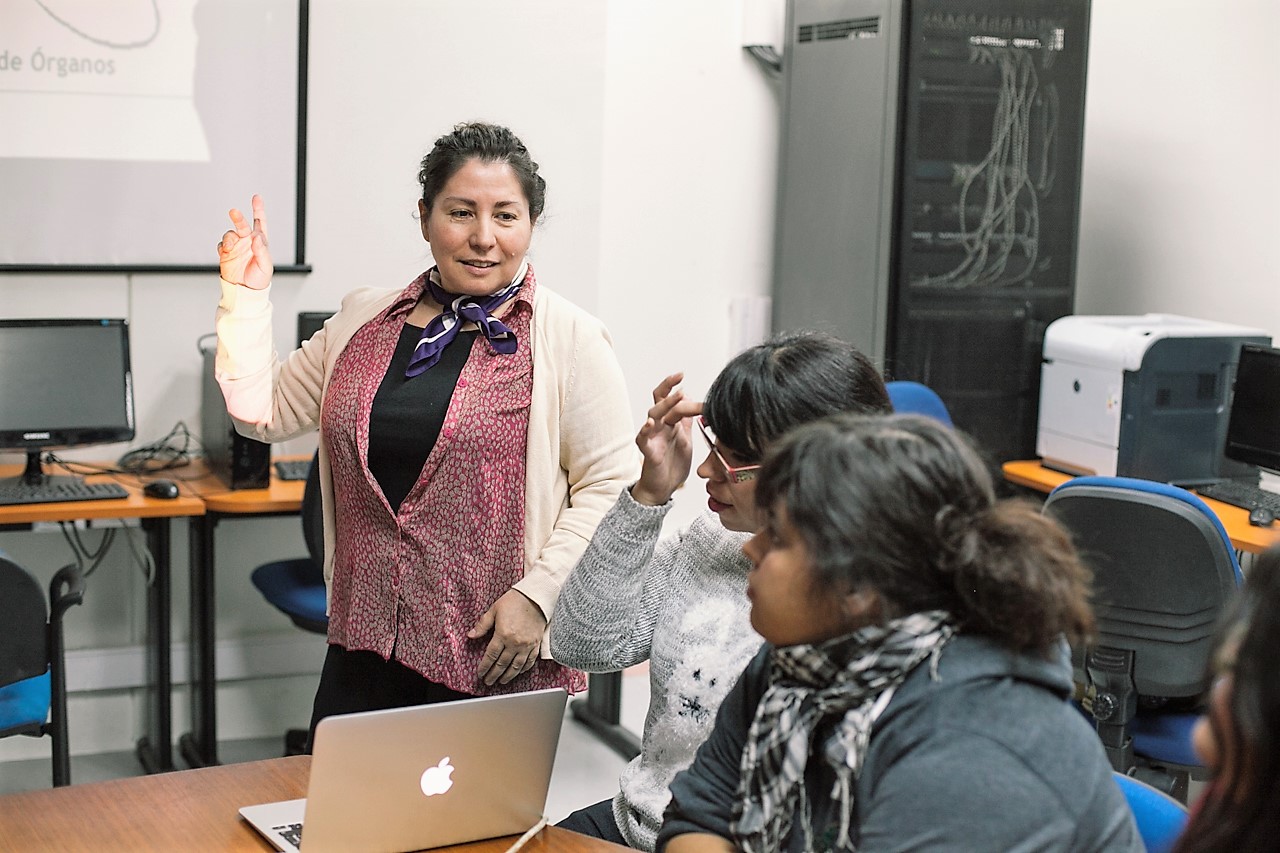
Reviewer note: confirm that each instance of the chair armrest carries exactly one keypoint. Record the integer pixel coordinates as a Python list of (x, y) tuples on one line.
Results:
[(66, 589)]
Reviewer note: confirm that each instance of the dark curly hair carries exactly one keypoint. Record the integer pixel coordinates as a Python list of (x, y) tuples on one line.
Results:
[(489, 143), (903, 505)]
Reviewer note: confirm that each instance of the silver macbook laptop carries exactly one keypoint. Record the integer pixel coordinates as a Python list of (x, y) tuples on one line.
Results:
[(421, 777)]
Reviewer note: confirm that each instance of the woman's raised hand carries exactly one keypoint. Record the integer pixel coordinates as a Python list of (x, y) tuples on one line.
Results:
[(243, 256), (664, 441)]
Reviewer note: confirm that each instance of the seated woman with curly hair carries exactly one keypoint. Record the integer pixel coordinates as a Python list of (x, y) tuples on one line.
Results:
[(912, 691)]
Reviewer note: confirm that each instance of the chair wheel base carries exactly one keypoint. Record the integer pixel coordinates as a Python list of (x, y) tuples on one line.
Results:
[(1167, 781)]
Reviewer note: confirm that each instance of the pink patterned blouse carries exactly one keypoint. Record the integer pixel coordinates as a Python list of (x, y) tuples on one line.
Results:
[(410, 585)]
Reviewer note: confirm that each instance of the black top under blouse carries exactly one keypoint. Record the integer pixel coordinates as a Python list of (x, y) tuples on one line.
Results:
[(408, 414)]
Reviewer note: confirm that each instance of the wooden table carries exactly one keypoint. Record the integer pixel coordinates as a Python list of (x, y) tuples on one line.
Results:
[(154, 748), (193, 810), (199, 747), (1033, 475)]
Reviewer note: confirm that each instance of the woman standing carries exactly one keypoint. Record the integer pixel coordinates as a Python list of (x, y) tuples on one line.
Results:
[(912, 693), (473, 431)]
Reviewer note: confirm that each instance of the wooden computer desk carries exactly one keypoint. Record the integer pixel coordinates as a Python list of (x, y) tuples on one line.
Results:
[(193, 810), (199, 747), (1032, 475), (154, 748)]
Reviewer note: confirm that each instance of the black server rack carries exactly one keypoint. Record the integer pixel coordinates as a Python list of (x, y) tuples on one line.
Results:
[(929, 192)]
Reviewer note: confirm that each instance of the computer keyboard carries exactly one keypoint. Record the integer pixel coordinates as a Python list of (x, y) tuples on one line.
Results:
[(292, 469), (291, 832), (16, 492), (1243, 495)]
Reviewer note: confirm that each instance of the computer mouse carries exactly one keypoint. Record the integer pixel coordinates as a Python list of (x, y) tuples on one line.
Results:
[(1261, 517), (164, 489)]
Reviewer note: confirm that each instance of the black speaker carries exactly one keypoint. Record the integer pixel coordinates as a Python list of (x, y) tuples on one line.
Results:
[(241, 463), (310, 322)]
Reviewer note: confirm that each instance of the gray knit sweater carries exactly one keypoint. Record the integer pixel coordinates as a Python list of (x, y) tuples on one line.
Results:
[(679, 603)]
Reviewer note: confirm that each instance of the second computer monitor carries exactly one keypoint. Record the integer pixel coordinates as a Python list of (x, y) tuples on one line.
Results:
[(1253, 429)]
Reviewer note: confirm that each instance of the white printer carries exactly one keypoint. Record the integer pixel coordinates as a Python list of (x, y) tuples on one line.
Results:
[(1139, 396)]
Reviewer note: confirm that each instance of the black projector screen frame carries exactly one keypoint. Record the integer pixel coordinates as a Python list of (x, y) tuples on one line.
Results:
[(134, 125)]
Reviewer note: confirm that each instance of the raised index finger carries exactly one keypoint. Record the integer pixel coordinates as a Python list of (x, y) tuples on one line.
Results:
[(259, 215), (665, 386)]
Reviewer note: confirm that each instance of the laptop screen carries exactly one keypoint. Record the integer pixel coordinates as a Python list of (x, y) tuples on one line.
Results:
[(1253, 430)]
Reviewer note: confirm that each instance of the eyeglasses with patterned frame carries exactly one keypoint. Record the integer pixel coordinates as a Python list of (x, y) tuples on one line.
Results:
[(738, 475)]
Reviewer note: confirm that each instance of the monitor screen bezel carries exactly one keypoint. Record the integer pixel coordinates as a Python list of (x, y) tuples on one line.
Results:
[(1239, 447), (54, 437)]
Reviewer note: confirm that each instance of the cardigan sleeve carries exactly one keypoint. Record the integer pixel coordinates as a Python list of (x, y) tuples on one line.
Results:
[(596, 453), (605, 616), (266, 400)]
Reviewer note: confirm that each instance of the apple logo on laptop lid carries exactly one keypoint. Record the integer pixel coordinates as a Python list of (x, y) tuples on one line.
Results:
[(435, 780)]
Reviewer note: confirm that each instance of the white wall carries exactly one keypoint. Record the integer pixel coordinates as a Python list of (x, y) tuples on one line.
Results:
[(1179, 205), (657, 136)]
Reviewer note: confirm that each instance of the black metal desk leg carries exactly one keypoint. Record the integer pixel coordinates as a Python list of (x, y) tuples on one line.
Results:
[(601, 712), (199, 748), (155, 748)]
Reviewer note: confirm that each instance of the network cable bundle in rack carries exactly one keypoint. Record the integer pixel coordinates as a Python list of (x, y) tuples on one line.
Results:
[(929, 191)]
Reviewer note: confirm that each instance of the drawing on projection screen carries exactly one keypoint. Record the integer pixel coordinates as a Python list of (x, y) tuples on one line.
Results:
[(99, 80)]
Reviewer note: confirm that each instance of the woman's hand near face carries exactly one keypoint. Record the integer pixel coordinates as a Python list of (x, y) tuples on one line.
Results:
[(243, 255), (517, 624), (664, 441)]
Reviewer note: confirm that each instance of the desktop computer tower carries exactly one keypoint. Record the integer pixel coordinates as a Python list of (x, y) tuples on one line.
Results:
[(928, 192), (241, 463)]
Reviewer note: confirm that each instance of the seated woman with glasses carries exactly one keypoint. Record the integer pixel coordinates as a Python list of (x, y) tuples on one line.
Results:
[(681, 603), (913, 691), (1239, 736)]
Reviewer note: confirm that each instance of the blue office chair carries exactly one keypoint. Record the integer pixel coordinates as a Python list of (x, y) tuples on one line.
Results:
[(295, 587), (913, 398), (1163, 570), (1160, 818), (33, 687)]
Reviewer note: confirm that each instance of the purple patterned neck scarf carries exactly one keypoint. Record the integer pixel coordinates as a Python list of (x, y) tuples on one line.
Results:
[(444, 327)]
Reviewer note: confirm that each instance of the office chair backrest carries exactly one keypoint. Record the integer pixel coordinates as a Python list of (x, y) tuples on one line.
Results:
[(24, 641), (313, 513), (33, 691), (916, 399), (1160, 818), (296, 586), (1163, 569)]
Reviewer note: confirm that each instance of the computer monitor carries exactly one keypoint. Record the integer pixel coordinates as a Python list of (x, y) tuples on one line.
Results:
[(63, 383), (1253, 427)]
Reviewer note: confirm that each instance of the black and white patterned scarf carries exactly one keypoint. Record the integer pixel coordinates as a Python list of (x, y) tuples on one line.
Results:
[(854, 676)]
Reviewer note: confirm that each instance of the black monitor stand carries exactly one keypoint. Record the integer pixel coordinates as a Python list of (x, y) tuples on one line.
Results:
[(34, 475)]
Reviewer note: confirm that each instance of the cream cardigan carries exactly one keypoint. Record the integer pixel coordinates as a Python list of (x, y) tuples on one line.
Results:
[(580, 449)]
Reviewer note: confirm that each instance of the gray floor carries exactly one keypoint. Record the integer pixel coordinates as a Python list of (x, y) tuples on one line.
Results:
[(586, 770)]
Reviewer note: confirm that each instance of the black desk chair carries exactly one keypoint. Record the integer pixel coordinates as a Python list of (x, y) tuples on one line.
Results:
[(295, 587), (33, 687), (1163, 569)]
